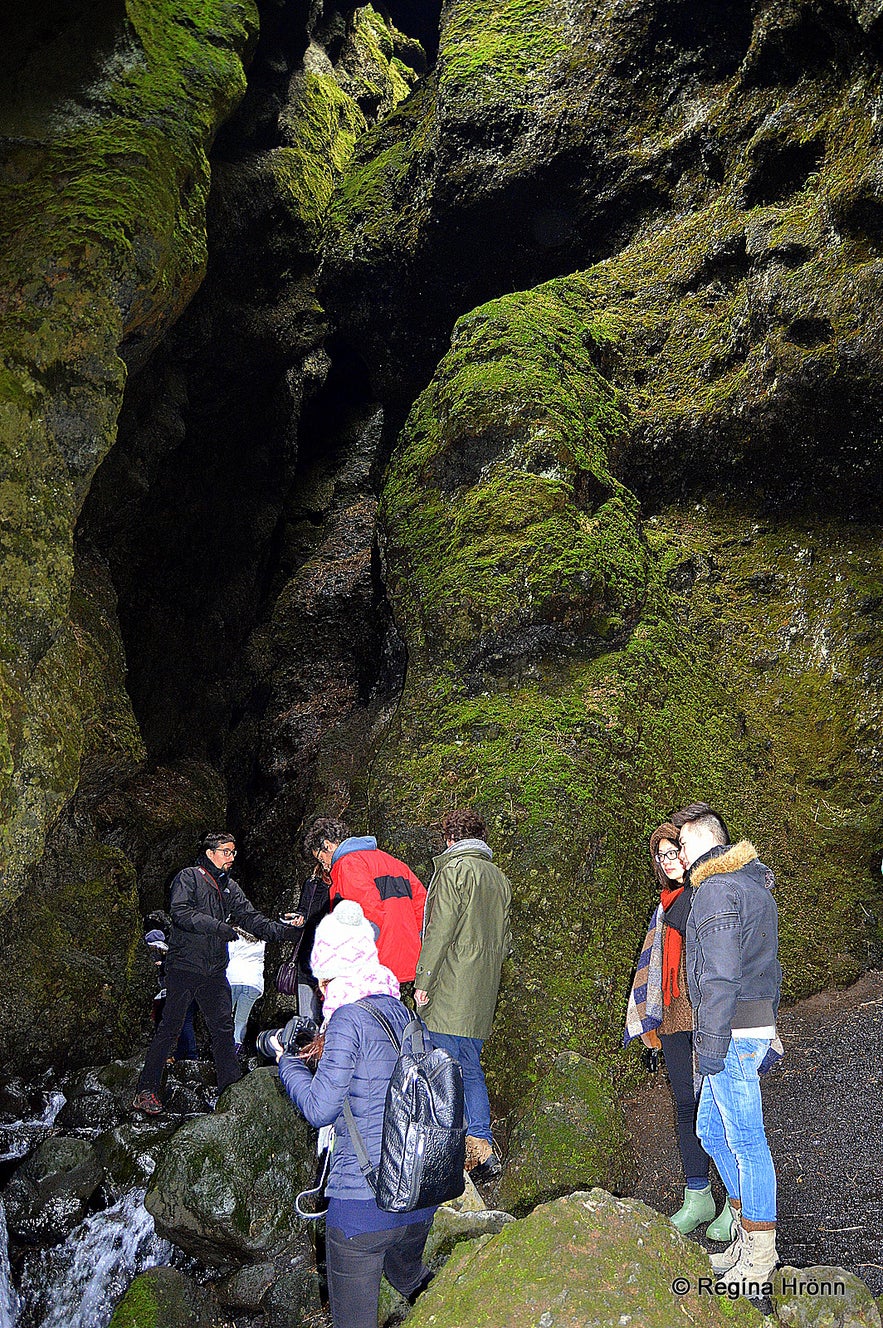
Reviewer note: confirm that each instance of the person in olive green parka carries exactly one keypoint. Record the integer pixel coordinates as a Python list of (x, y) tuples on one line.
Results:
[(465, 940)]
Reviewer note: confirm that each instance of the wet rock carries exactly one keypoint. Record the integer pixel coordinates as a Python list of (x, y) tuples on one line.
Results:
[(247, 1289), (294, 1296), (571, 1135), (584, 1259), (166, 1298), (49, 1193), (129, 1152), (225, 1184), (823, 1297)]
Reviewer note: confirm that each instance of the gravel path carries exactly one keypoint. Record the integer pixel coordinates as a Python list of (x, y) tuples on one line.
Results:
[(823, 1108)]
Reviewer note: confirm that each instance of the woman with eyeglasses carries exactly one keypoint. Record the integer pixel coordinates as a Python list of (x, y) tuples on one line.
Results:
[(660, 1014)]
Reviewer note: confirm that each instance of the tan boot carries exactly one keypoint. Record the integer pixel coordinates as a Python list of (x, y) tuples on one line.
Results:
[(757, 1259), (723, 1260)]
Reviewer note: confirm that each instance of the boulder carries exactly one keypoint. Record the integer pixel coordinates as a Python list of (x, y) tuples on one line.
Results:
[(571, 1135), (48, 1195), (225, 1184), (584, 1259), (166, 1298), (823, 1297)]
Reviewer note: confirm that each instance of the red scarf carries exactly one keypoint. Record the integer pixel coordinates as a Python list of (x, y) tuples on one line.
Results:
[(672, 948)]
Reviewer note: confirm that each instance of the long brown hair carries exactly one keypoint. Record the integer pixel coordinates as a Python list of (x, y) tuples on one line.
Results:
[(665, 831)]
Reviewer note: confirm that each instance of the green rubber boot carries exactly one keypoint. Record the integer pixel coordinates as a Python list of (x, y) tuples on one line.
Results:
[(698, 1206), (724, 1227)]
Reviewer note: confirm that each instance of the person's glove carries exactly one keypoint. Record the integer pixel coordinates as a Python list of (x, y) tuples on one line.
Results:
[(774, 1054), (709, 1065), (227, 933)]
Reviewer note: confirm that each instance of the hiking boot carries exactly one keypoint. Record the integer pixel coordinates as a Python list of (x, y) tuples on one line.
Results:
[(724, 1225), (487, 1166), (698, 1207), (147, 1101), (724, 1260), (757, 1259)]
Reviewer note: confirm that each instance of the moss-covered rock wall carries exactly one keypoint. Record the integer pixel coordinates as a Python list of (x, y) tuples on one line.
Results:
[(631, 527)]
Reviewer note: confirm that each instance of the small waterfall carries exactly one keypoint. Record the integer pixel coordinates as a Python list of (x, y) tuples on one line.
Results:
[(8, 1298), (19, 1137), (77, 1284)]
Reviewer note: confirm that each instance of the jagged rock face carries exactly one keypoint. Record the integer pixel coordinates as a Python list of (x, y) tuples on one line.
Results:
[(575, 669), (103, 200), (177, 545), (724, 157)]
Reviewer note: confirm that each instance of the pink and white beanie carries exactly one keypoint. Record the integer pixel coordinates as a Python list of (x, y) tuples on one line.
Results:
[(344, 955)]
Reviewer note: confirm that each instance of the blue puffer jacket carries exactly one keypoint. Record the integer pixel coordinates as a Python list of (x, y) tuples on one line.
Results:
[(732, 942), (358, 1059)]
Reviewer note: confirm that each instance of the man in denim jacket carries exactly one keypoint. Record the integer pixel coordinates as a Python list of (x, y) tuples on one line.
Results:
[(735, 980)]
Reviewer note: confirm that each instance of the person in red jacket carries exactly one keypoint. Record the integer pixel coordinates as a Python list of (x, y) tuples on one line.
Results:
[(391, 896)]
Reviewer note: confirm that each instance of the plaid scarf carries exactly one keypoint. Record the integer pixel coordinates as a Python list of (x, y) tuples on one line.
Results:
[(644, 1011)]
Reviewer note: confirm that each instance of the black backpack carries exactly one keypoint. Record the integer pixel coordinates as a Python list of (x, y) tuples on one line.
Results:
[(423, 1147)]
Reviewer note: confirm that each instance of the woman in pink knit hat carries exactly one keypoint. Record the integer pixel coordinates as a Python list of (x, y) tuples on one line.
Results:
[(356, 1061)]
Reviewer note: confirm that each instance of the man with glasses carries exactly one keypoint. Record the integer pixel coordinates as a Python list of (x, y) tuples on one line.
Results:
[(208, 909), (735, 980)]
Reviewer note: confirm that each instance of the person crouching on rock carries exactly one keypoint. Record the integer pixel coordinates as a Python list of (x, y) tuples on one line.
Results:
[(356, 1059), (660, 1013), (208, 909)]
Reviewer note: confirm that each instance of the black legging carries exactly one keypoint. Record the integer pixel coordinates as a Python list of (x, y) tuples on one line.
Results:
[(677, 1048), (355, 1267)]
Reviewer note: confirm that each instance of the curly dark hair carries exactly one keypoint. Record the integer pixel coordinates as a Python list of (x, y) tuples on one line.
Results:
[(463, 823), (324, 828)]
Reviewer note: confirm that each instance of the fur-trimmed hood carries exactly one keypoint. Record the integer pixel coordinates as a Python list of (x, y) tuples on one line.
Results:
[(730, 858)]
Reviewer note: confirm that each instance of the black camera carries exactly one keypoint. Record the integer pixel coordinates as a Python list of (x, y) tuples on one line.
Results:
[(297, 1033)]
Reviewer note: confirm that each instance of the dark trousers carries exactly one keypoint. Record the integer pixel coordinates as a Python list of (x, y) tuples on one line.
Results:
[(212, 995), (355, 1266), (677, 1048)]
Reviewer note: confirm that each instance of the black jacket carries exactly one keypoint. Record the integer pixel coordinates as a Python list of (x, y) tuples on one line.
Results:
[(203, 904)]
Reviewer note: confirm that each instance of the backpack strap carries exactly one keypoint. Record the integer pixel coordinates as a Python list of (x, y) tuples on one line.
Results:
[(414, 1030), (367, 1168)]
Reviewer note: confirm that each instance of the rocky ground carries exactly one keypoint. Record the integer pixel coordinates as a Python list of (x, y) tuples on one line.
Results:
[(824, 1113)]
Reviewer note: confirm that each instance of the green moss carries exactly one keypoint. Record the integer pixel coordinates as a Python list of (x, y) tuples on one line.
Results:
[(585, 1259), (502, 483), (138, 1307), (373, 205), (322, 126), (102, 208), (494, 52), (570, 1138)]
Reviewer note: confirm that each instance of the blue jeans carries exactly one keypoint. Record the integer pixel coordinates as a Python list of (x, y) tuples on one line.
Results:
[(243, 999), (478, 1108), (730, 1124)]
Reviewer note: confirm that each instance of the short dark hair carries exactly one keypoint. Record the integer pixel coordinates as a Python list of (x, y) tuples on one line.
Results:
[(212, 841), (463, 823), (706, 818), (324, 827)]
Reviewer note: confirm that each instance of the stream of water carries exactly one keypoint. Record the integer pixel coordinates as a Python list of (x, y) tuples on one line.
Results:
[(77, 1284), (8, 1298)]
